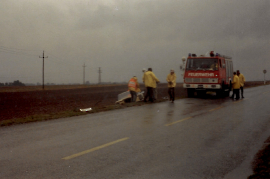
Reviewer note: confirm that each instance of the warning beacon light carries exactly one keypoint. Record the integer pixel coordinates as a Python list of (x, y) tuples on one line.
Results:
[(212, 54)]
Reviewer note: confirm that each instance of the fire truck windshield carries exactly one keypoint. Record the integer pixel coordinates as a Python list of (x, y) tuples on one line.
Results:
[(202, 64)]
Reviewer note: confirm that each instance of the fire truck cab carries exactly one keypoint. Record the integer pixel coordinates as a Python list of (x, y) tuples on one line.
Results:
[(209, 72)]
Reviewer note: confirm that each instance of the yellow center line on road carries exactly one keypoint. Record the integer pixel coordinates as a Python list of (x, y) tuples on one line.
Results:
[(178, 121), (94, 149), (215, 108)]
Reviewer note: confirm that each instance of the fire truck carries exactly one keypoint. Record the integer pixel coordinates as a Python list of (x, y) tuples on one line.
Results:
[(209, 72)]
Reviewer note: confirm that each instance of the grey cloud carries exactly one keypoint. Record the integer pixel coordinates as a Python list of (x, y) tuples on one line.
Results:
[(124, 36)]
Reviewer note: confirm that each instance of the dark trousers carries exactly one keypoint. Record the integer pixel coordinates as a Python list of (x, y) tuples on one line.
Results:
[(235, 92), (133, 96), (149, 94), (171, 93), (242, 91)]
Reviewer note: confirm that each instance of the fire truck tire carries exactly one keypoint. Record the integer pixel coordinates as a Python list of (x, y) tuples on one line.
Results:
[(190, 93), (220, 93), (201, 93)]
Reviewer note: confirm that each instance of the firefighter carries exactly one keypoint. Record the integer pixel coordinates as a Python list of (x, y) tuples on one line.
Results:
[(144, 71), (236, 86), (171, 79), (133, 87), (242, 81), (154, 87), (150, 81), (214, 66)]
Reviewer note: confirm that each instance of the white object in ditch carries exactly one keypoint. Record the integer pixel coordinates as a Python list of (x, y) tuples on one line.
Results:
[(86, 109)]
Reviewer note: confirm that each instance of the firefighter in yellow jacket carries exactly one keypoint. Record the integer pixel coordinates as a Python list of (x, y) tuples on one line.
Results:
[(242, 82), (150, 81), (236, 86), (133, 87), (171, 79)]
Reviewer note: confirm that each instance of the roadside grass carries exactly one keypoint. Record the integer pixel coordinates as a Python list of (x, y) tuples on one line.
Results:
[(261, 162), (40, 117), (70, 113)]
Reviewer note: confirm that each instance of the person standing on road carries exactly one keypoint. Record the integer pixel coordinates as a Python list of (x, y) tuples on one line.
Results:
[(143, 70), (236, 86), (133, 87), (171, 79), (242, 82), (150, 81), (154, 88), (143, 79)]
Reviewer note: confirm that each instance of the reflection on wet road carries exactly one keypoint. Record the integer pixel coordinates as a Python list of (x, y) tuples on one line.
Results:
[(192, 138)]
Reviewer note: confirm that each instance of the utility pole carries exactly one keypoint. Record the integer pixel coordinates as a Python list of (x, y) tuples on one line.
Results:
[(43, 69), (84, 74), (99, 77), (264, 71)]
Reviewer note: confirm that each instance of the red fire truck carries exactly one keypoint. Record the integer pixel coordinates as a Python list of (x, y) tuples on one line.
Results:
[(209, 72)]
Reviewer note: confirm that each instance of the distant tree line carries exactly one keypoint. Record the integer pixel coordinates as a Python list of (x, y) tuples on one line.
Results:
[(15, 83)]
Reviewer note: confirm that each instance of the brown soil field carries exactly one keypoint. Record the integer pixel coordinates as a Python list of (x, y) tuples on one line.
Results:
[(24, 102), (261, 162)]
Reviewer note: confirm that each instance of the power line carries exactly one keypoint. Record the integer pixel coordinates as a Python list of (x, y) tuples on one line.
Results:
[(15, 52), (18, 51), (60, 60), (9, 48)]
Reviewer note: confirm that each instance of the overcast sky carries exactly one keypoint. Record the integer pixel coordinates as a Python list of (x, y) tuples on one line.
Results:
[(124, 36)]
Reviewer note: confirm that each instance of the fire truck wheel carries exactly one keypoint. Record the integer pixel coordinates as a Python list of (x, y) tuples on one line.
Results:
[(190, 93), (220, 93), (201, 93)]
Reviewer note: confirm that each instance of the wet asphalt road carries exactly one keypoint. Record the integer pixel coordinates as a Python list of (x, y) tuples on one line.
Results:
[(192, 138)]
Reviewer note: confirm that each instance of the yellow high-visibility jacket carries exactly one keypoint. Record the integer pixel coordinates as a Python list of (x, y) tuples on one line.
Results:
[(241, 79), (235, 82), (150, 79), (171, 78), (133, 84)]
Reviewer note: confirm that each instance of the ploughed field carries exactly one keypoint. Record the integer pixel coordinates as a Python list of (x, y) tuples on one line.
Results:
[(22, 102), (30, 101)]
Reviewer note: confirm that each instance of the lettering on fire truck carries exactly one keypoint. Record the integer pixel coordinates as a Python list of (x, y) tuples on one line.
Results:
[(201, 74)]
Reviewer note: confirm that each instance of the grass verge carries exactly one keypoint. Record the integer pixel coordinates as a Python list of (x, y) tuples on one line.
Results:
[(261, 162), (40, 117), (70, 113)]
